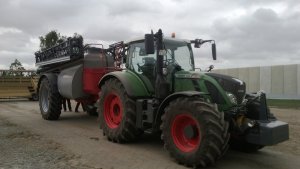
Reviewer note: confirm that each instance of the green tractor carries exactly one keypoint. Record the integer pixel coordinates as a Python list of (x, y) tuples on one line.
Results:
[(199, 114)]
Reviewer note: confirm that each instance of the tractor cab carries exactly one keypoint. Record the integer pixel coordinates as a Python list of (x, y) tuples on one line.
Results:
[(178, 56)]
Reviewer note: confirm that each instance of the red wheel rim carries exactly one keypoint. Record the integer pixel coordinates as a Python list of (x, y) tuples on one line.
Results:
[(185, 142), (113, 110)]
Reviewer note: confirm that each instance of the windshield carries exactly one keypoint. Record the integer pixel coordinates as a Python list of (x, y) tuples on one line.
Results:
[(178, 52)]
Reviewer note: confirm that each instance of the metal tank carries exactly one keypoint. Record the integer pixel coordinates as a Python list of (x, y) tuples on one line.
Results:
[(80, 81)]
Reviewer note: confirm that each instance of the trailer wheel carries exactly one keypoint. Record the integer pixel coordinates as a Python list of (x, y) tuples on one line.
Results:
[(195, 133), (117, 112), (49, 98)]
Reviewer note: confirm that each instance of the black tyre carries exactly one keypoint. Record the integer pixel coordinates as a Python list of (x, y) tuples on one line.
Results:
[(49, 98), (195, 133), (117, 112)]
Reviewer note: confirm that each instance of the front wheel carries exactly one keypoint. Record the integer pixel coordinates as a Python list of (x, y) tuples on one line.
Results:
[(117, 112), (195, 133)]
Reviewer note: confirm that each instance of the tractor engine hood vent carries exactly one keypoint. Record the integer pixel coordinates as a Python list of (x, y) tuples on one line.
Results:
[(231, 84)]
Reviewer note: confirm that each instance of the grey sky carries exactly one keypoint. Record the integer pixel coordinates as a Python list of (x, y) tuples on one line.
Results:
[(247, 33)]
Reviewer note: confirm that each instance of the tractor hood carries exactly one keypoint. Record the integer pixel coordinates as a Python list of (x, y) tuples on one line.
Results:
[(230, 84), (188, 75), (217, 85)]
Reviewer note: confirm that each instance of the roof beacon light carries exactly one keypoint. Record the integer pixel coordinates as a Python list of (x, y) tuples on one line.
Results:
[(173, 35)]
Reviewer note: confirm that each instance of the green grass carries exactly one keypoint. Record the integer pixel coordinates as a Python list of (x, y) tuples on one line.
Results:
[(291, 104)]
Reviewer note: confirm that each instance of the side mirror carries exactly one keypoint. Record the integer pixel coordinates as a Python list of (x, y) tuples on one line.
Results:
[(149, 44), (214, 51)]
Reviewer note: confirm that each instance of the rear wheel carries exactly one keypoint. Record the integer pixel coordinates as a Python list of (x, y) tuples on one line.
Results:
[(49, 98), (194, 132), (117, 112)]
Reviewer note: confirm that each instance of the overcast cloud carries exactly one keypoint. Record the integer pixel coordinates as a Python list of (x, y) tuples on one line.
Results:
[(247, 33)]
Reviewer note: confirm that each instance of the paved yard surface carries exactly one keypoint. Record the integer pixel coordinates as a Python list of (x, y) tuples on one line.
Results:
[(75, 141)]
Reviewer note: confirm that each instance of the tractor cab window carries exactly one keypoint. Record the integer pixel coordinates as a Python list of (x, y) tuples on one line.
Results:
[(177, 52), (140, 61), (180, 53)]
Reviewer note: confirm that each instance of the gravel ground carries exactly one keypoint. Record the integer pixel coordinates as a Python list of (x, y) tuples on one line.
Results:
[(75, 141), (22, 149)]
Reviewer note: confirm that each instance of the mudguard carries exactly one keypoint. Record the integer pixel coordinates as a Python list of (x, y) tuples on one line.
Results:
[(133, 85)]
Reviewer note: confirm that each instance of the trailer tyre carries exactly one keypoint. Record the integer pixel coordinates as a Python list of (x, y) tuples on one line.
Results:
[(49, 98), (117, 113), (195, 133)]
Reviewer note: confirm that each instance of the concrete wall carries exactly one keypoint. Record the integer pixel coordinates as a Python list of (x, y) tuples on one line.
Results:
[(281, 82)]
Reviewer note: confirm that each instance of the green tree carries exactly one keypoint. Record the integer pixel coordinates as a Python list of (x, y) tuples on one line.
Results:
[(16, 66), (51, 39)]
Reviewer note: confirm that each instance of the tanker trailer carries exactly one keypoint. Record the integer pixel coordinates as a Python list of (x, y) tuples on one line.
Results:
[(70, 70)]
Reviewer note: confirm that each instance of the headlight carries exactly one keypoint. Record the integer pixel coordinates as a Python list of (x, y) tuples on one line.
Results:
[(232, 98)]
